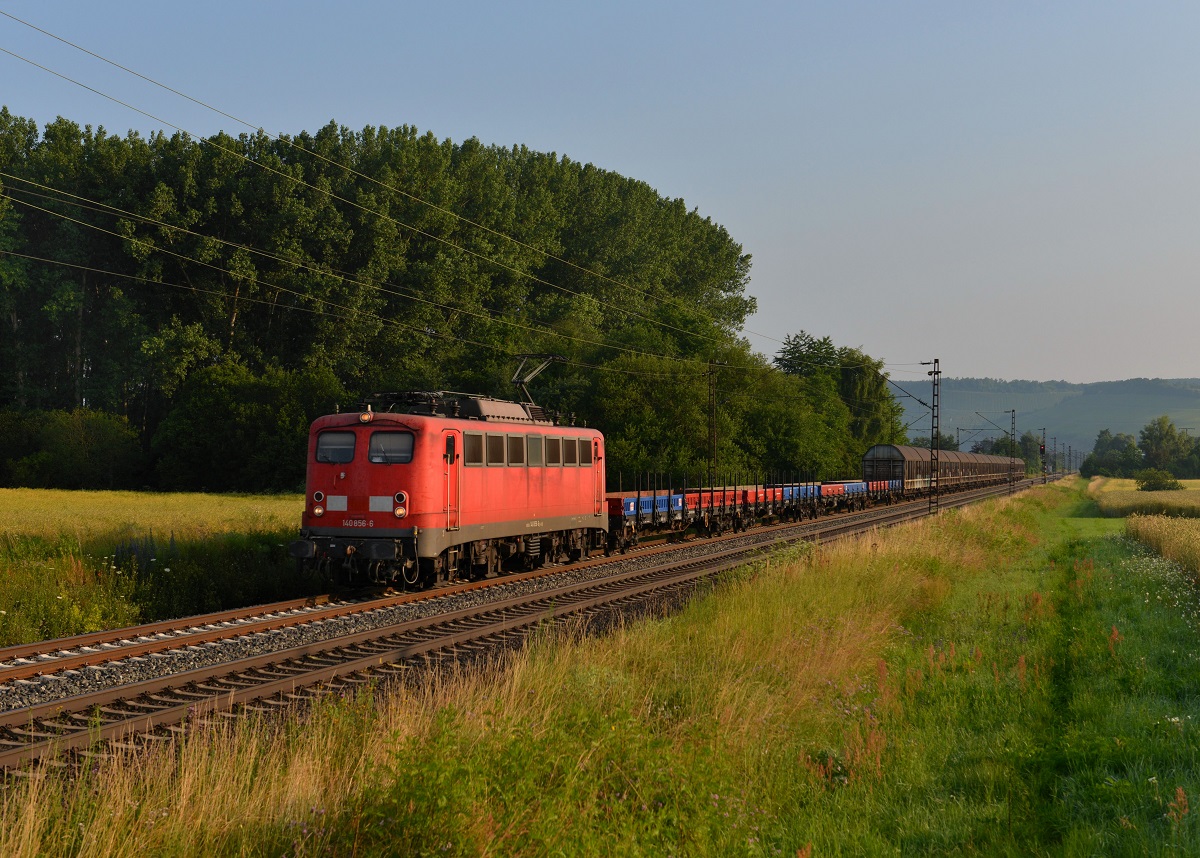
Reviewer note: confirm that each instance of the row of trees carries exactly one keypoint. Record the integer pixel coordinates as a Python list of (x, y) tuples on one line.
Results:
[(1159, 446), (213, 296)]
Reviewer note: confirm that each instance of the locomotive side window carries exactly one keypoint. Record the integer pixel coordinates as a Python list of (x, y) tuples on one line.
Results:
[(335, 448), (495, 449), (534, 447), (553, 452), (390, 448), (516, 450), (473, 448), (570, 452), (585, 452)]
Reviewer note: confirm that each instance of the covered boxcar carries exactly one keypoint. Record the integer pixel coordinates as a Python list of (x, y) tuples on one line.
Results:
[(956, 470)]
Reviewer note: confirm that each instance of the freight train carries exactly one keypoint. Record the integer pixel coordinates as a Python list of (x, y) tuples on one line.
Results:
[(419, 489)]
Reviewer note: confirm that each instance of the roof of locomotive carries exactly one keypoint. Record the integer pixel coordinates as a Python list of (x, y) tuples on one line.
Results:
[(400, 408), (444, 403)]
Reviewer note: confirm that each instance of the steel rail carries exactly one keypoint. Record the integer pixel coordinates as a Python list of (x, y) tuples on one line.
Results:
[(115, 714), (280, 678), (11, 653)]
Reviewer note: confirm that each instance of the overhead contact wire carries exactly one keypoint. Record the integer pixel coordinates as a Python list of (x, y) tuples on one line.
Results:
[(352, 170), (105, 208), (416, 230)]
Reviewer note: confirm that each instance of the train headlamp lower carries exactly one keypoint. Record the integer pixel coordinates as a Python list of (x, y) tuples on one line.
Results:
[(318, 511)]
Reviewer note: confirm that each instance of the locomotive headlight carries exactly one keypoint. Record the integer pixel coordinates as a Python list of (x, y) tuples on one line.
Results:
[(318, 511), (318, 496), (366, 417), (401, 512)]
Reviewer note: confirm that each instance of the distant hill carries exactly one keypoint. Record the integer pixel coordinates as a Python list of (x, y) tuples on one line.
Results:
[(1074, 413)]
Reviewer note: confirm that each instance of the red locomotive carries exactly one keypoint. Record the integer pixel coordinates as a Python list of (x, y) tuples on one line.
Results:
[(429, 487)]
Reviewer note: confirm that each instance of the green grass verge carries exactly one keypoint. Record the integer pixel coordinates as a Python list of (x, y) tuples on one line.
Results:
[(1040, 706)]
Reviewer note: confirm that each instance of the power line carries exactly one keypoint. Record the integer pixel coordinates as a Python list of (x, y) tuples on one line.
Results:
[(350, 314), (262, 283), (409, 195), (399, 223), (353, 171), (431, 236), (104, 208)]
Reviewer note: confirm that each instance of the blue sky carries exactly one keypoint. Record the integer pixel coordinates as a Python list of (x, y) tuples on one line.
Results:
[(1013, 187)]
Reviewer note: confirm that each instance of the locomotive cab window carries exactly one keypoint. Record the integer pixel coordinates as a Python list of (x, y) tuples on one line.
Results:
[(472, 448), (554, 452), (335, 448), (570, 452), (534, 449), (585, 453), (390, 448), (516, 450)]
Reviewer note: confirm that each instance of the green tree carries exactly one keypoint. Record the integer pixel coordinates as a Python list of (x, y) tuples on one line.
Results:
[(1155, 480), (1162, 444), (849, 389), (1113, 455), (945, 442), (81, 449), (232, 430), (183, 258)]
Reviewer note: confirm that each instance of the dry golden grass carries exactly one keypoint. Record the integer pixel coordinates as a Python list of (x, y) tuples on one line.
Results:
[(50, 514), (1175, 538), (208, 793), (1100, 485), (1122, 503)]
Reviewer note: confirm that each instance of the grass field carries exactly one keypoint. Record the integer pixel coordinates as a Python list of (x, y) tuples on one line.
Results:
[(1008, 680), (74, 562), (1121, 498)]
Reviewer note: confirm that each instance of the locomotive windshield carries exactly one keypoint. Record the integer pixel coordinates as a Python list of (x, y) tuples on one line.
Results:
[(391, 448), (335, 448)]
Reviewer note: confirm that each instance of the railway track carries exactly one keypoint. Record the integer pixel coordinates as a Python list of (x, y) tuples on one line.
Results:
[(286, 674), (27, 661)]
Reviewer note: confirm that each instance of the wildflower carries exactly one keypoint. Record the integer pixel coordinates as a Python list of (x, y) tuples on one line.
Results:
[(1178, 807)]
